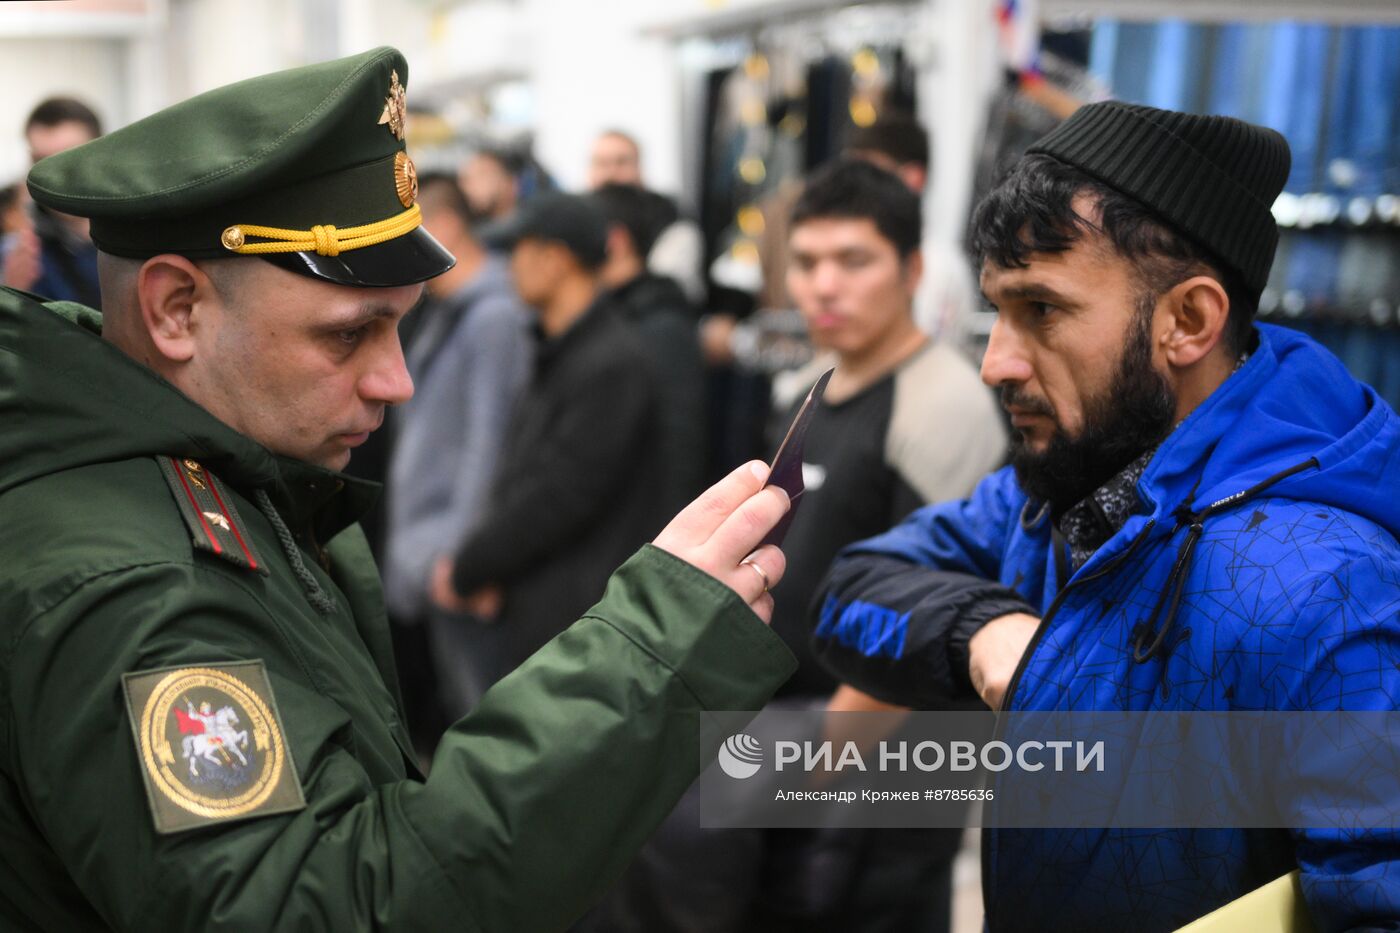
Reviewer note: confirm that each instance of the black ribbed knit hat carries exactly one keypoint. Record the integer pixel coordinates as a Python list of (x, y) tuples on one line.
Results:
[(1211, 178)]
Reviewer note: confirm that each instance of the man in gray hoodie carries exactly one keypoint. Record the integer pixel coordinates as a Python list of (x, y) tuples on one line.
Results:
[(469, 358)]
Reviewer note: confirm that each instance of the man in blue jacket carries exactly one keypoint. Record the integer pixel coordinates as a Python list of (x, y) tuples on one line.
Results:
[(1199, 515)]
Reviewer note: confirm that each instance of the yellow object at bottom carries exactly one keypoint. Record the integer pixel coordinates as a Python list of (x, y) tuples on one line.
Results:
[(1277, 907)]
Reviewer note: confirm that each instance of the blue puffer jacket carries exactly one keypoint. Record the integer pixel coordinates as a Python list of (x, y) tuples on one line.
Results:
[(1263, 574)]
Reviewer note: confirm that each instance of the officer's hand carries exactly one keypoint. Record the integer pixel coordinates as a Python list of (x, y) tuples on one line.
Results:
[(718, 533), (995, 651)]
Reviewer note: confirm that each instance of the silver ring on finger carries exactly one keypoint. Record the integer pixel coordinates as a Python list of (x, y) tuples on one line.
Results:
[(762, 574)]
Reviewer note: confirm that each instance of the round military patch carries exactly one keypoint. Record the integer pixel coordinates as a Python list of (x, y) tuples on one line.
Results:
[(210, 744)]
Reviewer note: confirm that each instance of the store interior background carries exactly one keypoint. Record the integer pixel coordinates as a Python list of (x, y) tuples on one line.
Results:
[(729, 99), (732, 98)]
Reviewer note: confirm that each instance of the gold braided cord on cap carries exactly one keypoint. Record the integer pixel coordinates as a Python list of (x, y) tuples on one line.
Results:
[(325, 240)]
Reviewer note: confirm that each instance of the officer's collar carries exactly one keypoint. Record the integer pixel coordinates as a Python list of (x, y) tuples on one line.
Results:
[(324, 501)]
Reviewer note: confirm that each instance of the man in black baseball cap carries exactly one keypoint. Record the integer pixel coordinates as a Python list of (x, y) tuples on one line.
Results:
[(1199, 516), (582, 477), (572, 222)]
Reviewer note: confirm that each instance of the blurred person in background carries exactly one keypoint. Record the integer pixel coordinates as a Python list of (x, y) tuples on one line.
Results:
[(900, 145), (14, 225), (498, 179), (580, 481), (905, 421), (490, 178), (750, 355), (54, 256), (13, 217), (678, 249), (616, 160), (657, 310), (469, 359)]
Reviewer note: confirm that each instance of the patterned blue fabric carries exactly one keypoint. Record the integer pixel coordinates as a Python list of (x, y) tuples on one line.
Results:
[(1291, 600)]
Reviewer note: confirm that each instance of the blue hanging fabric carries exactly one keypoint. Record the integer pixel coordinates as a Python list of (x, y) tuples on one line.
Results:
[(1294, 96), (1374, 114), (1257, 46), (1312, 268), (1137, 51), (1391, 43), (1338, 176), (1281, 65), (1293, 105), (1309, 90), (1358, 139), (1228, 90), (1175, 58), (1103, 50)]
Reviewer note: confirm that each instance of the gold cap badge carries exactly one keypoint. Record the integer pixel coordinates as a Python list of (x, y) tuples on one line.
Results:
[(405, 179), (395, 106)]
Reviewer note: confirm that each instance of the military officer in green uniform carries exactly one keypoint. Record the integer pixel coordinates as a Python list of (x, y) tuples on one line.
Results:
[(199, 719)]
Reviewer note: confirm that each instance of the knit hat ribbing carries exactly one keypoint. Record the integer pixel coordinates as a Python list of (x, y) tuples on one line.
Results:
[(1211, 178)]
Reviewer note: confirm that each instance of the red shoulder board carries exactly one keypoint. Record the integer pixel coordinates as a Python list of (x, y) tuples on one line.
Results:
[(208, 511)]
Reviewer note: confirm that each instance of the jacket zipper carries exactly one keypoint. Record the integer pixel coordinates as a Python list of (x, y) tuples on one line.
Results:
[(1231, 500), (1025, 659), (1055, 606)]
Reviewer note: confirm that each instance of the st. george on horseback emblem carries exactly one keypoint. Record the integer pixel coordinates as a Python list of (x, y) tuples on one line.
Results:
[(210, 745)]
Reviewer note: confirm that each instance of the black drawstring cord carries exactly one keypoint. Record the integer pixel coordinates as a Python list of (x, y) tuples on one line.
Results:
[(1028, 521), (1176, 581), (315, 593), (1176, 585)]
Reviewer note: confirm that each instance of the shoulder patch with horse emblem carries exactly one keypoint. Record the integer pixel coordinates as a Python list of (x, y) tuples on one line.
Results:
[(208, 512), (211, 745)]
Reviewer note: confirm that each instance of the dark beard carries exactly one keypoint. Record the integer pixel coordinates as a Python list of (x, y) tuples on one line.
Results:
[(1133, 415)]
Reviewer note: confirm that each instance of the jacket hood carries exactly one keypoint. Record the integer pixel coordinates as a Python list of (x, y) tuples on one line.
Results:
[(70, 399), (1290, 424), (1291, 402)]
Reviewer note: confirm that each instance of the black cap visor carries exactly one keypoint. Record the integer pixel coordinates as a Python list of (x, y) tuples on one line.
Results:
[(405, 260)]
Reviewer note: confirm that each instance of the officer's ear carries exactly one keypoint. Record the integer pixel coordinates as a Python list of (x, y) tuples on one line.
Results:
[(171, 290)]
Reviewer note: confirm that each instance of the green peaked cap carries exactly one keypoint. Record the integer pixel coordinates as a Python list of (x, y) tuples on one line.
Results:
[(313, 147)]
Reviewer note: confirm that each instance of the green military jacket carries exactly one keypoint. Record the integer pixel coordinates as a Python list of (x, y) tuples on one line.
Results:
[(532, 804)]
